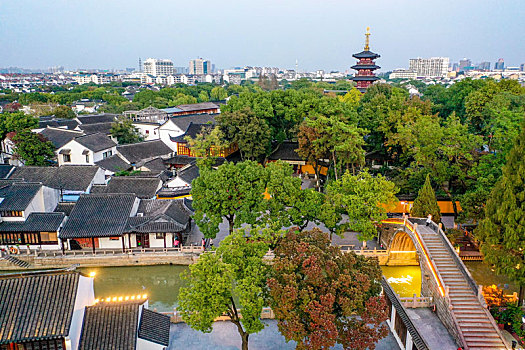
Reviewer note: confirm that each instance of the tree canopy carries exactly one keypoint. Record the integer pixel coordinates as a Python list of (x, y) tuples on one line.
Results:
[(33, 148), (426, 203), (232, 276), (502, 231), (322, 296), (233, 192), (125, 132)]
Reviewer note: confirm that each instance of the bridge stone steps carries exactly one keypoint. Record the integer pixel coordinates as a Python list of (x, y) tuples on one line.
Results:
[(476, 327)]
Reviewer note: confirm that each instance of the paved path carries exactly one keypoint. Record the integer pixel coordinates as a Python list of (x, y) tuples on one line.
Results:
[(225, 337)]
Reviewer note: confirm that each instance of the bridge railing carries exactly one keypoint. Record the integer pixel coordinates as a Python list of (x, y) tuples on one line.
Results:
[(434, 227)]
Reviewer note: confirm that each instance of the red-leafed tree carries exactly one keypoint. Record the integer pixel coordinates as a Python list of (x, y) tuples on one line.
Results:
[(322, 296)]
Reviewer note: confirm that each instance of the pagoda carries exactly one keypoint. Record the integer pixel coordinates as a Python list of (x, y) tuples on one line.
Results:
[(365, 66)]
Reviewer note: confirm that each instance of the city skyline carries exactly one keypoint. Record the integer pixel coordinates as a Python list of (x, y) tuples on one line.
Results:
[(114, 35)]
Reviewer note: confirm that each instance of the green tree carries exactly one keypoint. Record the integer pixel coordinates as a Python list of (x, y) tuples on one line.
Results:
[(33, 148), (502, 231), (322, 296), (233, 192), (125, 132), (289, 204), (426, 202), (218, 93), (248, 131), (17, 121), (64, 112), (364, 199), (207, 144), (236, 272)]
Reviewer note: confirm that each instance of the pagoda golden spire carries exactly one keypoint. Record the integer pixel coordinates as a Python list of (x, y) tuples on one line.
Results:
[(367, 41)]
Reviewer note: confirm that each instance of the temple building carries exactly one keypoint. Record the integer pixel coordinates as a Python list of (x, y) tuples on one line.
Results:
[(365, 66)]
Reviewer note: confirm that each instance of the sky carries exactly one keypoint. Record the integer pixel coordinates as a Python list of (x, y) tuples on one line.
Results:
[(319, 34)]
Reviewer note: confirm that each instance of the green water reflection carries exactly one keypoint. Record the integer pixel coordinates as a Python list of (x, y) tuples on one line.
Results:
[(161, 283), (484, 275), (405, 280)]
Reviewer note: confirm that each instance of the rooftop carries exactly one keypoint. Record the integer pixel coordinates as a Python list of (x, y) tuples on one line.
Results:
[(96, 142), (35, 222), (104, 128), (109, 326), (198, 106), (97, 118), (37, 305), (146, 150), (188, 173), (286, 151), (66, 177), (99, 215), (184, 122), (59, 137), (17, 196), (114, 163), (192, 131), (144, 188), (366, 54)]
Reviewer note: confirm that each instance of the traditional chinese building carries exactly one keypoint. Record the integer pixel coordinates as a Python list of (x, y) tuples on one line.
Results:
[(365, 66)]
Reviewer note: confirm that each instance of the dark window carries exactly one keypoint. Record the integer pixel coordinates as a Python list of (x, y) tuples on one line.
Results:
[(400, 329), (66, 158), (159, 235)]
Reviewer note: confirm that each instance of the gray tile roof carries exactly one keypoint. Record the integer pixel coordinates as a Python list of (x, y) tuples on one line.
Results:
[(59, 137), (66, 177), (65, 208), (160, 216), (17, 196), (142, 187), (95, 142), (143, 151), (154, 327), (192, 131), (178, 159), (114, 163), (184, 122), (188, 173), (97, 118), (57, 122), (35, 222), (110, 326), (99, 215), (198, 106), (103, 128), (155, 165), (36, 305), (5, 169), (286, 151)]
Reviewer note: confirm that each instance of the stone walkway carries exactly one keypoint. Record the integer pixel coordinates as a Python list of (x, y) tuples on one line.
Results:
[(225, 337)]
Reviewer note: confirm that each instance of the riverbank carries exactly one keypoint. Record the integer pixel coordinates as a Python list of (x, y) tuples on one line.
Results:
[(146, 258)]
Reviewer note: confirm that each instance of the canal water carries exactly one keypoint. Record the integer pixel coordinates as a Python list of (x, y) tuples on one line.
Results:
[(162, 282)]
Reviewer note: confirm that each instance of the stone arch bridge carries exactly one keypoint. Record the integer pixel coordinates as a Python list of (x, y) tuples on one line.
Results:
[(458, 299)]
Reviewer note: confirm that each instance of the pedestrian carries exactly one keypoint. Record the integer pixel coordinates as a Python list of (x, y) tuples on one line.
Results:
[(177, 243), (211, 243), (203, 243), (429, 219)]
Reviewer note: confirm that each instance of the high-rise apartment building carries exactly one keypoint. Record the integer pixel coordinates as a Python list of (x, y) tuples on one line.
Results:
[(430, 67), (200, 66), (484, 66), (464, 63), (500, 64), (155, 67), (522, 67)]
